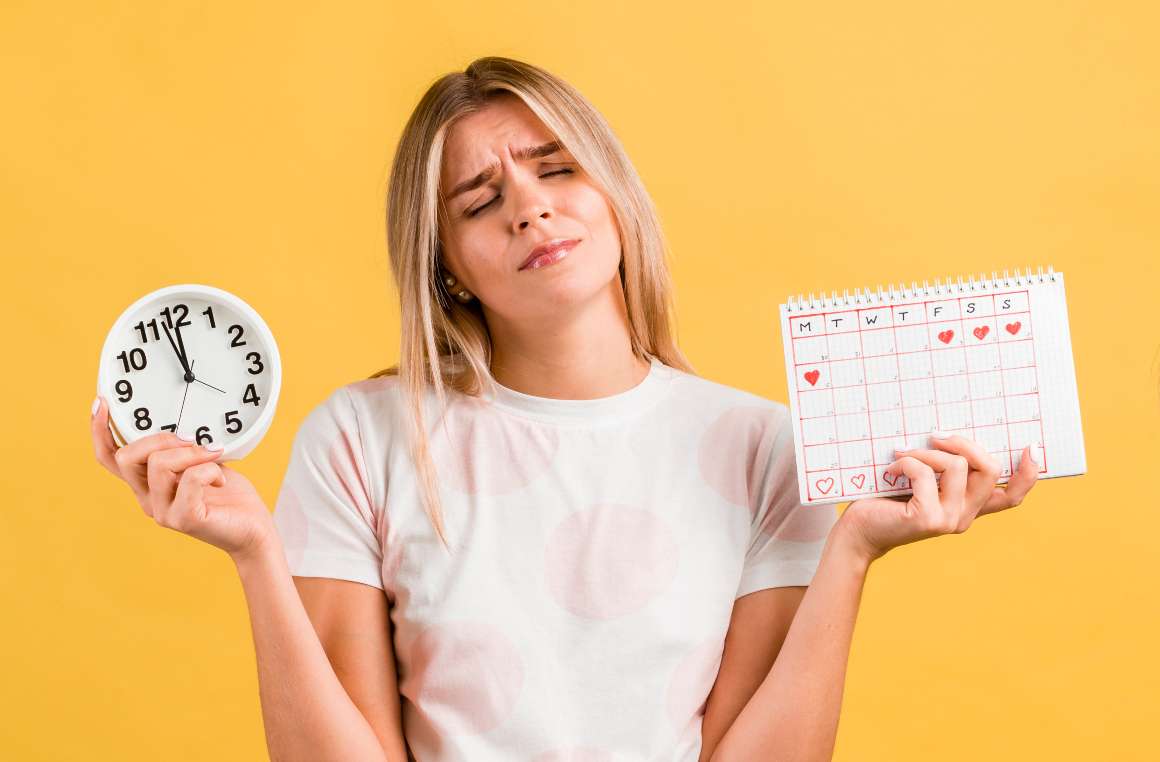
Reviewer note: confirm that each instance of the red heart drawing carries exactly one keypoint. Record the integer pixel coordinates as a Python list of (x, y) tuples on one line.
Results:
[(828, 481), (1013, 328), (886, 478), (982, 331), (946, 336), (858, 480), (812, 377)]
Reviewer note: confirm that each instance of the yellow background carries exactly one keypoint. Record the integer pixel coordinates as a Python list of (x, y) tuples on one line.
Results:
[(790, 148)]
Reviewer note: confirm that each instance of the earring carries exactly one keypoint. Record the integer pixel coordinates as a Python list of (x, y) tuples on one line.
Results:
[(462, 294)]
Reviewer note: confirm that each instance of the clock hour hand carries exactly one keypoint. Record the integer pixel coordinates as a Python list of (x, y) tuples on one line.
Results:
[(180, 357), (184, 354)]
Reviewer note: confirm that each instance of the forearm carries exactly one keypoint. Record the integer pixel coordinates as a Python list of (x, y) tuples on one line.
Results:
[(307, 713), (793, 715)]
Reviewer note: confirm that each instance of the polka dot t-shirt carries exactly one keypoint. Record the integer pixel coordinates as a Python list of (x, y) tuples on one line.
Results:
[(598, 548)]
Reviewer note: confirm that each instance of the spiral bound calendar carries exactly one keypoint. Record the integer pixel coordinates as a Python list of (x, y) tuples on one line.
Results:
[(988, 359)]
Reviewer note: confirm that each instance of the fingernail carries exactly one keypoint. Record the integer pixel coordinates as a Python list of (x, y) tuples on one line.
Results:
[(939, 434), (96, 406), (214, 447), (1035, 455), (186, 437)]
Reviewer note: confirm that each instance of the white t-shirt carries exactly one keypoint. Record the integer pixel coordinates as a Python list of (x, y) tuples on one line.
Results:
[(598, 548)]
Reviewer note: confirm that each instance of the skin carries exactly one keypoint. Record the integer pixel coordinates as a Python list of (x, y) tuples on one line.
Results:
[(560, 331)]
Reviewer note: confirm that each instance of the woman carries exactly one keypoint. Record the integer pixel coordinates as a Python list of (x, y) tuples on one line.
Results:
[(542, 529)]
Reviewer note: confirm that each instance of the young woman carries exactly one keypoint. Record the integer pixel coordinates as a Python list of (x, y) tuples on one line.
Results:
[(541, 536)]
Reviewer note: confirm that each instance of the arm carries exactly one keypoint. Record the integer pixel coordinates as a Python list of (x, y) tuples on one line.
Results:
[(351, 619), (307, 713), (757, 629), (794, 713)]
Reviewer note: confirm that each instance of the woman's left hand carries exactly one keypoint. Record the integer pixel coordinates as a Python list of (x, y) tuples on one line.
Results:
[(967, 488)]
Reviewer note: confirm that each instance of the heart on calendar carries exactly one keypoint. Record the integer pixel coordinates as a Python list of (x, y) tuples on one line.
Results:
[(1013, 328), (825, 485), (858, 480), (946, 336), (812, 377), (886, 478), (981, 332)]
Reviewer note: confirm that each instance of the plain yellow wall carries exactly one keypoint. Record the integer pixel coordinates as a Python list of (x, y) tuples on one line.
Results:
[(790, 147)]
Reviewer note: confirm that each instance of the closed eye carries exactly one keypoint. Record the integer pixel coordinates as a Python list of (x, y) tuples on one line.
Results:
[(478, 209)]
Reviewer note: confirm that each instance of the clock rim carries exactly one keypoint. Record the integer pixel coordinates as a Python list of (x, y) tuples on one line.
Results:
[(261, 425)]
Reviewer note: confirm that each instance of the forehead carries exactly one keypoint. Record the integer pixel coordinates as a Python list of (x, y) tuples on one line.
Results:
[(480, 138)]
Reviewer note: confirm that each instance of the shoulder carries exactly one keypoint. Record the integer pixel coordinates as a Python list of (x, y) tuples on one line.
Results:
[(697, 394), (363, 407)]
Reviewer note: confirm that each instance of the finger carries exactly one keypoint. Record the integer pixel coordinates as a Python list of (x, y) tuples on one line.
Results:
[(163, 469), (189, 501), (132, 458), (953, 469), (1018, 485), (984, 468), (921, 478), (103, 443)]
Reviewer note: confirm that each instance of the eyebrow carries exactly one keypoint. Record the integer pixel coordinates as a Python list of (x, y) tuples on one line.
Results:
[(528, 152)]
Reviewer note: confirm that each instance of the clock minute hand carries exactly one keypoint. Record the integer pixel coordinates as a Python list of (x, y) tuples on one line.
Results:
[(184, 355), (176, 351)]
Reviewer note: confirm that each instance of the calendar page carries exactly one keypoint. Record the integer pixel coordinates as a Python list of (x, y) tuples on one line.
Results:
[(989, 360)]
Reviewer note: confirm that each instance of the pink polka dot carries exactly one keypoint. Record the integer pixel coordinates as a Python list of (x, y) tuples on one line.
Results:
[(482, 452), (805, 523), (575, 754), (465, 676), (293, 526), (734, 448), (609, 560), (693, 678), (345, 459)]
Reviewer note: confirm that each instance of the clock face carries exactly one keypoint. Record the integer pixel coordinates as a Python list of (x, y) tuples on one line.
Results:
[(190, 362)]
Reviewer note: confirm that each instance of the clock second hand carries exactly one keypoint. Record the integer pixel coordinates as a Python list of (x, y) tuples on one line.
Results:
[(182, 410)]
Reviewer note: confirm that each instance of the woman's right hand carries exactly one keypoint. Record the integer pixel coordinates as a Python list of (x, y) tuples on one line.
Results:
[(178, 485)]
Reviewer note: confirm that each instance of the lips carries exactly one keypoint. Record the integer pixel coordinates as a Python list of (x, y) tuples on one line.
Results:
[(549, 247)]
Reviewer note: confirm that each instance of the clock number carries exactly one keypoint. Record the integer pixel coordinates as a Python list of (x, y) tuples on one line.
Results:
[(208, 312), (182, 321), (170, 427), (123, 387), (141, 419), (142, 325), (255, 358), (231, 421), (130, 361), (251, 395), (237, 342), (202, 431)]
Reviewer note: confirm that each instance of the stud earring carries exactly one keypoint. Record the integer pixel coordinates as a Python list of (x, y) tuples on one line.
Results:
[(462, 294)]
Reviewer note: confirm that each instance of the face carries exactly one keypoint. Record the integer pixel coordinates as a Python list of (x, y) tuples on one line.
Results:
[(488, 231)]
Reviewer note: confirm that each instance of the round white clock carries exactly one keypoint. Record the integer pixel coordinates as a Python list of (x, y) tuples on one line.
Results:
[(195, 360)]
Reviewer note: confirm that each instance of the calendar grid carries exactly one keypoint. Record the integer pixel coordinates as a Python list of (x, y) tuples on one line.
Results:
[(852, 474)]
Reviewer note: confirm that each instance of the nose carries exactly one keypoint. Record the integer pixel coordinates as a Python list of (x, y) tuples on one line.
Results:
[(531, 212), (531, 200)]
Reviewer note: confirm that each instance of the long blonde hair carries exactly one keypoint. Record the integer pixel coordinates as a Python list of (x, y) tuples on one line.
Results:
[(445, 343)]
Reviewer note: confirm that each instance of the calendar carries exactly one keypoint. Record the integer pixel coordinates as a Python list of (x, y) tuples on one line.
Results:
[(989, 359)]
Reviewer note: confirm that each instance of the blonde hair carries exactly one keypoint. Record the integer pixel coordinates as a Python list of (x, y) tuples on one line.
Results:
[(450, 346)]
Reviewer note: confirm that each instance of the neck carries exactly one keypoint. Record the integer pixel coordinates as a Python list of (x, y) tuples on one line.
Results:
[(584, 353)]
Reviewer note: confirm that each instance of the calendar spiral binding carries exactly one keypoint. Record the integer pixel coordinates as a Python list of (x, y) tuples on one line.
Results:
[(971, 286)]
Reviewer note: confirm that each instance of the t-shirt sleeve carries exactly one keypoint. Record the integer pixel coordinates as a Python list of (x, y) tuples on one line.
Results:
[(786, 537), (324, 513)]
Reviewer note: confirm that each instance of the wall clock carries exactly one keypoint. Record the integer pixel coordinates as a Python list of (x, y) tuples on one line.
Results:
[(191, 359)]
